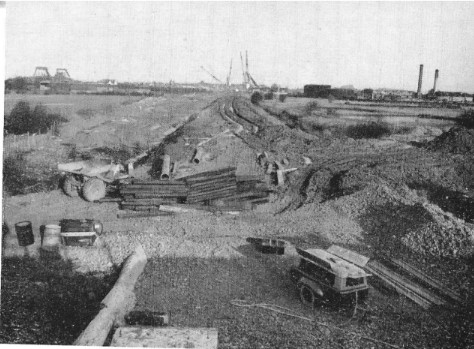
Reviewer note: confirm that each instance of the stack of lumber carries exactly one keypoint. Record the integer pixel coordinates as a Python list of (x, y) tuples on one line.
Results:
[(211, 185), (149, 195)]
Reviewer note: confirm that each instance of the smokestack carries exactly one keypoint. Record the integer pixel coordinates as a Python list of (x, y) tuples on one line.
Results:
[(420, 81), (435, 80)]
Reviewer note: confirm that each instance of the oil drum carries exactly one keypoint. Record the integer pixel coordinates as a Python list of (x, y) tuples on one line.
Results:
[(51, 237), (24, 232)]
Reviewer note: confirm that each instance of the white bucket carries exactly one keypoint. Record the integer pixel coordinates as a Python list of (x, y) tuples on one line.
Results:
[(51, 237)]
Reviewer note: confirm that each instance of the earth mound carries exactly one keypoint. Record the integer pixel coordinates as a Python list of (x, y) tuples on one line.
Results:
[(458, 140)]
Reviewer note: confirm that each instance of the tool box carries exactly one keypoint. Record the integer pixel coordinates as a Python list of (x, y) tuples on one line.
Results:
[(79, 232)]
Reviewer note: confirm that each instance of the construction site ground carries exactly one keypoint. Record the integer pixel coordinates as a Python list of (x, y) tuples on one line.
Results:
[(407, 194)]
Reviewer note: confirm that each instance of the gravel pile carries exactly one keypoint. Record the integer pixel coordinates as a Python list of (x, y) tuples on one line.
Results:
[(444, 236)]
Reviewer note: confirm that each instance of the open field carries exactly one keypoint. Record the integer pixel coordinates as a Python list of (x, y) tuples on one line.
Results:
[(405, 193), (366, 108), (69, 104)]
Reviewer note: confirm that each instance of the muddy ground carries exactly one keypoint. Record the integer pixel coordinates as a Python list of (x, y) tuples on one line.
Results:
[(406, 194)]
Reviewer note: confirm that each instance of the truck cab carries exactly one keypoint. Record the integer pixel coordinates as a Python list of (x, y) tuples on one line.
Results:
[(322, 277)]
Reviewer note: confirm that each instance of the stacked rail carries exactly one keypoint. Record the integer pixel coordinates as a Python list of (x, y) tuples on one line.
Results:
[(221, 189), (149, 195), (448, 294), (211, 185), (403, 285)]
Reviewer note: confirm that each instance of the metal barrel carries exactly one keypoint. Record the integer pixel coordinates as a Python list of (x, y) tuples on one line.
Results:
[(24, 232)]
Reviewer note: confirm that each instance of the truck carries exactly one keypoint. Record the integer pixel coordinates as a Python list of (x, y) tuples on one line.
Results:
[(321, 277)]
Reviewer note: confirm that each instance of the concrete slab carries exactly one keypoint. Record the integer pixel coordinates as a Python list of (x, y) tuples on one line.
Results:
[(168, 337)]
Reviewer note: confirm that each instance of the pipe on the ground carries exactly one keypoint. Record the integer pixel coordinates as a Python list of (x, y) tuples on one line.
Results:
[(269, 168), (280, 177), (262, 158), (307, 161), (165, 167), (198, 155), (118, 302)]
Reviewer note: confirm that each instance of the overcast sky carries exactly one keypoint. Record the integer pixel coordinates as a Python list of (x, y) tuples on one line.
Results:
[(371, 44)]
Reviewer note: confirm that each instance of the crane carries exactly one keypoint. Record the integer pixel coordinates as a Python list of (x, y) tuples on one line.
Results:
[(243, 70), (211, 74), (228, 76), (248, 78)]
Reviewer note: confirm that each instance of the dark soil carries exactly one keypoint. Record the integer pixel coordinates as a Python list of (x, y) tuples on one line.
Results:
[(198, 293), (46, 302), (459, 140)]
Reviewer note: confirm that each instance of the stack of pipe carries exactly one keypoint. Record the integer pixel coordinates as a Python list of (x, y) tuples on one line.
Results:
[(211, 185), (149, 195)]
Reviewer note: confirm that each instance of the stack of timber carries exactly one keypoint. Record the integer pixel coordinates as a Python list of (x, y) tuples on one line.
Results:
[(211, 185), (149, 195), (410, 289)]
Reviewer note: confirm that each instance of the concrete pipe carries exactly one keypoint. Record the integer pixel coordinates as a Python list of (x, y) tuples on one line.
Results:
[(269, 168), (165, 168), (262, 158), (198, 155), (280, 177)]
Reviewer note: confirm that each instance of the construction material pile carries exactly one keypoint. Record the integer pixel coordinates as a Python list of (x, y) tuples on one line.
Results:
[(413, 283), (146, 195), (459, 140), (220, 189), (211, 185)]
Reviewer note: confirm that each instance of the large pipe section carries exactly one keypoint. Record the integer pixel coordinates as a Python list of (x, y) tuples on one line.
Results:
[(420, 81), (165, 167), (435, 80), (198, 155)]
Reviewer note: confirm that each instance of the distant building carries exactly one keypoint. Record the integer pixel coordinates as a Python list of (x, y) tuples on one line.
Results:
[(343, 93), (384, 94), (365, 94), (455, 97)]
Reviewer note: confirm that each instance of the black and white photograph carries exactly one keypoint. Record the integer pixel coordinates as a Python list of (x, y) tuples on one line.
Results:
[(238, 174)]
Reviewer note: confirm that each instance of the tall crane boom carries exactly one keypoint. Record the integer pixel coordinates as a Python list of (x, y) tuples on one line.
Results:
[(250, 79), (247, 64), (211, 74), (228, 76), (244, 75)]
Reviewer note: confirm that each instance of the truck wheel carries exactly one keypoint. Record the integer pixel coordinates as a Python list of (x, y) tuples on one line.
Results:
[(307, 295), (93, 189), (70, 186)]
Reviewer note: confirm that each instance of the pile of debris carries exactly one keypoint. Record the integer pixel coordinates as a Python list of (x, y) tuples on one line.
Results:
[(220, 189), (458, 140)]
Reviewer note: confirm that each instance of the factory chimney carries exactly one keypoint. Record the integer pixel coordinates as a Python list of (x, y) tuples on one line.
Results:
[(435, 80), (420, 81)]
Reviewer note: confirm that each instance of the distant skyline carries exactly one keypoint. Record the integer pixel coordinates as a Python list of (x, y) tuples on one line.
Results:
[(364, 44)]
